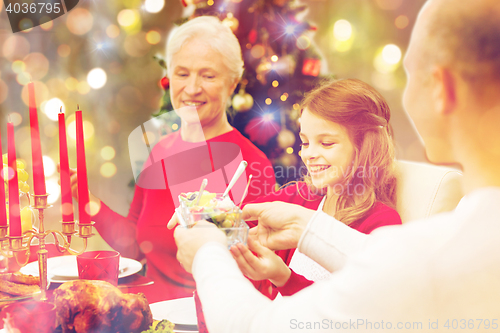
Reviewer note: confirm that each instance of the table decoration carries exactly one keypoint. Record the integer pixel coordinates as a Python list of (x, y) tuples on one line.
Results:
[(99, 265), (14, 243), (65, 268)]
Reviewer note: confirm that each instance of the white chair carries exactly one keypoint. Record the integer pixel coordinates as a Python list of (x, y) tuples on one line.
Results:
[(424, 189)]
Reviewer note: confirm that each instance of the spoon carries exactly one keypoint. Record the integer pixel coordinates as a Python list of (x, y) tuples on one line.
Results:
[(246, 191), (237, 175), (200, 192)]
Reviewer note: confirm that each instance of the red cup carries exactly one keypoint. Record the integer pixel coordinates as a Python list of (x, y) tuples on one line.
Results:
[(99, 265), (202, 327), (27, 317)]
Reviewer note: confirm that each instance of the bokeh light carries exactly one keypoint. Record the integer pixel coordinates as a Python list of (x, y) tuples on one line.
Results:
[(23, 78), (97, 78), (401, 22), (15, 47), (275, 83), (49, 167), (289, 150), (153, 37), (274, 58), (4, 91), (154, 6), (71, 83), (79, 21), (129, 19), (342, 30), (51, 108), (16, 118), (136, 45), (51, 130), (26, 25), (93, 207), (257, 51), (64, 50), (112, 31), (108, 169), (389, 4), (48, 23), (175, 127), (18, 66), (387, 59), (269, 101), (37, 65), (57, 87), (53, 189), (303, 42), (88, 129), (108, 153), (83, 88), (391, 54)]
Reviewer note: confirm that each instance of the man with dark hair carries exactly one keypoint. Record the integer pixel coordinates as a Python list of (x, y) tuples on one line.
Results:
[(438, 274)]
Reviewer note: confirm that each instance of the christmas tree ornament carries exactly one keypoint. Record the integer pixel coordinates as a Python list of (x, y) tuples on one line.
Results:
[(286, 138), (252, 36), (311, 67), (280, 3), (165, 83), (242, 101), (262, 129)]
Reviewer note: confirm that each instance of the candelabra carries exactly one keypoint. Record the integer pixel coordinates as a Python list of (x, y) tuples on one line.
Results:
[(12, 246)]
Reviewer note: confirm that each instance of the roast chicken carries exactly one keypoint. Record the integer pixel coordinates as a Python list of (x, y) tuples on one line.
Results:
[(97, 306)]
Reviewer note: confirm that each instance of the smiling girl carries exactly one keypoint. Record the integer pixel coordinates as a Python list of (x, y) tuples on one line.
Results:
[(348, 150)]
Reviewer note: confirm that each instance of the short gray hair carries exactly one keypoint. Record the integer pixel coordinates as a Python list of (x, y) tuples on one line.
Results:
[(211, 29), (466, 35)]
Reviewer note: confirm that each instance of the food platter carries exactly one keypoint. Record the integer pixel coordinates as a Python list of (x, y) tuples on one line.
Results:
[(181, 312)]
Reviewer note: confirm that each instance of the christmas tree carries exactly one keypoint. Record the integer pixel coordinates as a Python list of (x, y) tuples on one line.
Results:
[(280, 66)]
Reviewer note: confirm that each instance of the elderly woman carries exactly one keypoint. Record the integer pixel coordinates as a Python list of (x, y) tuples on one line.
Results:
[(204, 66)]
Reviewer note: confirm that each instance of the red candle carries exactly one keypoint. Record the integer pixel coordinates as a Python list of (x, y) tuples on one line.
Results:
[(36, 148), (66, 200), (81, 172), (3, 211), (14, 210)]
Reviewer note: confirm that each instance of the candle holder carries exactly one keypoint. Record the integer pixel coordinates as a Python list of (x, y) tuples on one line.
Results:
[(11, 246)]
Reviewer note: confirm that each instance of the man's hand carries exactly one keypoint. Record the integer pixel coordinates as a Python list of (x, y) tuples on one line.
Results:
[(280, 224), (189, 241)]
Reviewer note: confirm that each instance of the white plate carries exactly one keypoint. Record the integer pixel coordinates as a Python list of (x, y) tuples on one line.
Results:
[(181, 311), (63, 269)]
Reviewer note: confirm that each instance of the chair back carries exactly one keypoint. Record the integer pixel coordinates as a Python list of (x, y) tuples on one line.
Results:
[(424, 189)]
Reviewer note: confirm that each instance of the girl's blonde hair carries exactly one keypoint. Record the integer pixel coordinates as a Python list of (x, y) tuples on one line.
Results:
[(365, 115)]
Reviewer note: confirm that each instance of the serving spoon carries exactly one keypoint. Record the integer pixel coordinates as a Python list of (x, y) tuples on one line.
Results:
[(237, 174)]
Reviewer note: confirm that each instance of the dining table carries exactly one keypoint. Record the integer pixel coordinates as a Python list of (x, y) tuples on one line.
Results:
[(180, 311)]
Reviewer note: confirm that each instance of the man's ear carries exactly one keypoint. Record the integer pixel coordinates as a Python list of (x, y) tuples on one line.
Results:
[(444, 90)]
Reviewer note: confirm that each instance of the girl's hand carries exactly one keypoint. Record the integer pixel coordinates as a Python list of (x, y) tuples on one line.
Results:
[(265, 266)]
